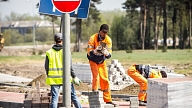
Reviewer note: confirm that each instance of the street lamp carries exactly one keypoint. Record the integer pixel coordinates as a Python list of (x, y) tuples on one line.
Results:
[(33, 24)]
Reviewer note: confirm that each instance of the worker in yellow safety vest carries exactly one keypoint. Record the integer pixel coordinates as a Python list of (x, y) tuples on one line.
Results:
[(140, 73), (98, 50), (54, 67)]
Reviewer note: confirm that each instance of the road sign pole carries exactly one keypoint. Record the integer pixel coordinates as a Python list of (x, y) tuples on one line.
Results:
[(66, 60)]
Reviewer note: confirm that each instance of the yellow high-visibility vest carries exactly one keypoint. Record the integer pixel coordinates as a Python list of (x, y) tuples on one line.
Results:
[(55, 73)]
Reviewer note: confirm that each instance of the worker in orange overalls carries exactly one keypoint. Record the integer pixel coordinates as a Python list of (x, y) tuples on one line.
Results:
[(140, 73), (99, 49)]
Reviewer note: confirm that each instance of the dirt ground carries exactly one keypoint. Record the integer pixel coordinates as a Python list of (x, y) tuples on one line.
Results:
[(36, 72)]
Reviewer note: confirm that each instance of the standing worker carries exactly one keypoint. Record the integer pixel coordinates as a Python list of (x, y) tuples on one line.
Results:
[(99, 49), (140, 73), (54, 67), (1, 41)]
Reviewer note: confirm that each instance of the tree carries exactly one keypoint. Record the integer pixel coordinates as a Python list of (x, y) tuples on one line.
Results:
[(93, 15), (12, 37), (164, 26), (18, 17), (122, 34)]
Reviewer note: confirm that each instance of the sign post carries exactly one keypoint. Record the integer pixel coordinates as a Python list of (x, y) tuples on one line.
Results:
[(66, 60), (66, 7)]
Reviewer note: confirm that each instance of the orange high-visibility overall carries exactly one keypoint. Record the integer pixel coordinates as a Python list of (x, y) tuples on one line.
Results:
[(141, 80), (99, 67)]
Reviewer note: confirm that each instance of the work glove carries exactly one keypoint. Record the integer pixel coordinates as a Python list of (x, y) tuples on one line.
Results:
[(76, 81), (105, 52)]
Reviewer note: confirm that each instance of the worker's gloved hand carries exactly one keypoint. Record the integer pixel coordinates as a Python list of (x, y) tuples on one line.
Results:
[(98, 50), (105, 52), (76, 81)]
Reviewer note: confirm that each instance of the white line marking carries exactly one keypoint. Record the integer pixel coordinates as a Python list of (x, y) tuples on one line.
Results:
[(53, 9), (76, 10)]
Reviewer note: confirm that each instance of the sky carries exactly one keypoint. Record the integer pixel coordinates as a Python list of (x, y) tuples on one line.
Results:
[(28, 6)]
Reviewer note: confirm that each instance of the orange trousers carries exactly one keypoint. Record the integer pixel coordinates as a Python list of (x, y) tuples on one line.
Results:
[(142, 81), (100, 76)]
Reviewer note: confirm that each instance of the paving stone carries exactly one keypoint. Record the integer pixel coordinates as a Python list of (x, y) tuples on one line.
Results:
[(169, 93)]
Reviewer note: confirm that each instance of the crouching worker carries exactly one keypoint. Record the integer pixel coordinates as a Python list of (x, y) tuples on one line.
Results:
[(54, 67), (140, 73)]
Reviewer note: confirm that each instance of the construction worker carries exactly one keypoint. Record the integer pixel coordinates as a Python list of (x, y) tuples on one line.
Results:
[(1, 41), (99, 49), (140, 73), (54, 67)]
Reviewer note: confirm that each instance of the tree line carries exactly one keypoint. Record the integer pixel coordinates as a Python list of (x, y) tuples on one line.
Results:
[(135, 28), (159, 18)]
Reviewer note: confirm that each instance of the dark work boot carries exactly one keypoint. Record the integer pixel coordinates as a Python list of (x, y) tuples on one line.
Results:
[(115, 105)]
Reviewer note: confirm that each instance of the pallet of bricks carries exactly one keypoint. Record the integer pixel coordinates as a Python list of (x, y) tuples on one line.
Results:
[(169, 93), (38, 99)]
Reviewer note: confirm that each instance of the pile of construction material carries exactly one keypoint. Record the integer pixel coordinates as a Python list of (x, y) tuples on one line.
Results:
[(160, 67), (95, 99), (169, 93), (39, 98), (170, 72), (83, 72), (118, 77)]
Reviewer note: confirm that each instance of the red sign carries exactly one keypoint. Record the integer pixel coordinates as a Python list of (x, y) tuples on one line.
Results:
[(66, 6)]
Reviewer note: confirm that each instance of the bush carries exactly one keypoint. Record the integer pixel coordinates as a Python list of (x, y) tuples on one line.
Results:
[(164, 49), (40, 52), (128, 50)]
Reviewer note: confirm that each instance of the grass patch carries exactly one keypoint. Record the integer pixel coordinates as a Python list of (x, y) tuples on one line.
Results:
[(172, 58), (180, 60), (21, 59)]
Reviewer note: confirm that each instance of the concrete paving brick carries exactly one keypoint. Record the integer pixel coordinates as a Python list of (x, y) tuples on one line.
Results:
[(169, 93), (108, 106), (18, 99)]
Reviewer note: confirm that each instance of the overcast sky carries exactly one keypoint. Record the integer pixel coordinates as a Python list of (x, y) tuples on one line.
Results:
[(28, 6)]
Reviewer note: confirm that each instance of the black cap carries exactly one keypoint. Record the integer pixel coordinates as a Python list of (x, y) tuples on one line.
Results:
[(58, 36), (104, 28)]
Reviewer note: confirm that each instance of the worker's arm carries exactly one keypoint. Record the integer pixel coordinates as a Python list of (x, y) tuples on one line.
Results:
[(91, 46), (108, 50), (72, 71), (46, 65), (75, 79)]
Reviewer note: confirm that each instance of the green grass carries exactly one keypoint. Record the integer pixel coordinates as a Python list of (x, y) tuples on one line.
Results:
[(172, 58), (145, 57), (32, 43), (21, 59), (179, 60)]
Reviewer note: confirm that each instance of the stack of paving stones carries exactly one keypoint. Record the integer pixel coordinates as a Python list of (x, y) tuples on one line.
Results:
[(117, 75), (96, 100), (169, 93), (158, 67), (43, 101), (134, 102), (38, 99), (83, 72)]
